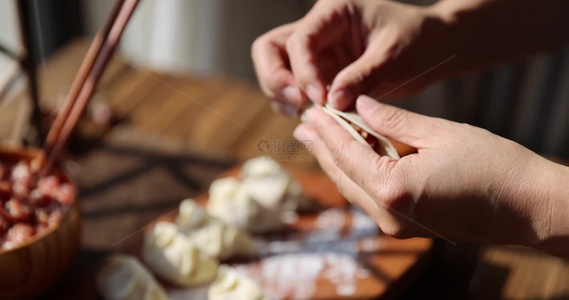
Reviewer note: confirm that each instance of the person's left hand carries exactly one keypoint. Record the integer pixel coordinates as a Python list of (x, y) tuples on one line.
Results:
[(464, 183)]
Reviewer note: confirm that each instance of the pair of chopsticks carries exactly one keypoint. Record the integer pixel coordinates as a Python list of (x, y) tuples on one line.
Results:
[(93, 66)]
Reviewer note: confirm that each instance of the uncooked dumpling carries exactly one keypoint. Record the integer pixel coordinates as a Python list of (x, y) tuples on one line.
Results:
[(173, 257), (230, 285), (125, 278), (354, 124), (270, 185), (229, 202), (261, 166), (211, 235)]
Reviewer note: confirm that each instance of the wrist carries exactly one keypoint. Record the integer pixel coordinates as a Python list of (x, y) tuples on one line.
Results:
[(447, 11), (451, 39), (487, 33), (554, 227), (526, 192), (439, 44)]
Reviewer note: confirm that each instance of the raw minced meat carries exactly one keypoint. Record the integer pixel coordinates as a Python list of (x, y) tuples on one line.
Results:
[(29, 206)]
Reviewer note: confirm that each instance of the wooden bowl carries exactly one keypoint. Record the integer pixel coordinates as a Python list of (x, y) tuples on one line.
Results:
[(34, 267)]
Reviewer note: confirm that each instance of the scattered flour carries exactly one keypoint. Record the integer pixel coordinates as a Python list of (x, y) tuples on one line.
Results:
[(331, 219), (292, 268), (296, 275)]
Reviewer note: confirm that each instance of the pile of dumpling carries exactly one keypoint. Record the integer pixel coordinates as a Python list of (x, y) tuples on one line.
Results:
[(256, 201), (187, 253)]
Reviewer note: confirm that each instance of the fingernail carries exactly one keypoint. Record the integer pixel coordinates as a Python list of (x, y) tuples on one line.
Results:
[(314, 93), (366, 103), (308, 115), (304, 116), (282, 108), (340, 99), (290, 110), (292, 94), (300, 133)]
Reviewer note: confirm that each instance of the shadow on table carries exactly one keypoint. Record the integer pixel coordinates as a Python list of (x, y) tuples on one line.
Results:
[(559, 297), (125, 183), (488, 281), (450, 275), (79, 281), (175, 165)]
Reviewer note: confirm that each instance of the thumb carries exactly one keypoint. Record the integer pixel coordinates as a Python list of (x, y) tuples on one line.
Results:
[(326, 24), (396, 123), (360, 77)]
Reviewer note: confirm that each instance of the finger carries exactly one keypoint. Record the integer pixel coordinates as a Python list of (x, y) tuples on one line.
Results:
[(272, 67), (332, 60), (283, 108), (360, 77), (391, 216), (389, 221), (349, 189), (324, 25), (396, 123), (356, 160)]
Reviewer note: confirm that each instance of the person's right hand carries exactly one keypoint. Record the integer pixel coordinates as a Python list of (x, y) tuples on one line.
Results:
[(464, 182), (379, 48)]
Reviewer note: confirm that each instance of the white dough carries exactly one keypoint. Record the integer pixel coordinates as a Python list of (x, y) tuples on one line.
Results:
[(261, 166), (232, 204), (230, 285), (270, 185), (211, 235), (173, 257), (123, 277), (386, 148)]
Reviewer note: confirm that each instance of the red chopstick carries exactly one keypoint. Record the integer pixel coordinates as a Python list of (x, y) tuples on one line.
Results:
[(93, 66)]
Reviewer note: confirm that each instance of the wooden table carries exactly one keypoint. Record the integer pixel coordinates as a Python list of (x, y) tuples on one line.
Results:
[(174, 108)]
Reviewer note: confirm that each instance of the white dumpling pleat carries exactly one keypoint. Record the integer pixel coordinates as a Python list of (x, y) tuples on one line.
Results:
[(173, 257)]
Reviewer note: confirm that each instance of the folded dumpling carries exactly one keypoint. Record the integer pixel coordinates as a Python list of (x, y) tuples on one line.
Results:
[(232, 204), (211, 235), (173, 257), (359, 130), (123, 277), (272, 186), (230, 285)]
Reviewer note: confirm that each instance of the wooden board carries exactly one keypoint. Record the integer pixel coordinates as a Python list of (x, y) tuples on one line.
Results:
[(336, 252)]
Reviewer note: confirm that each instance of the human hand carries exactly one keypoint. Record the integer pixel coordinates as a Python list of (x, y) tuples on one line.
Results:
[(463, 183), (355, 46)]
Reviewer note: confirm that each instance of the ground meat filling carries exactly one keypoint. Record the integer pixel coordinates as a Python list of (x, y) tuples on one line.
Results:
[(369, 138), (28, 205)]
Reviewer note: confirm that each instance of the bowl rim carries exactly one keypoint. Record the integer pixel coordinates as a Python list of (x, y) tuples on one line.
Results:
[(29, 153)]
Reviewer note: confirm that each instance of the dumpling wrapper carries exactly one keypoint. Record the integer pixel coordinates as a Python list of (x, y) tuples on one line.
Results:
[(232, 204), (385, 147), (123, 277), (272, 186), (173, 257), (211, 235), (230, 285)]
